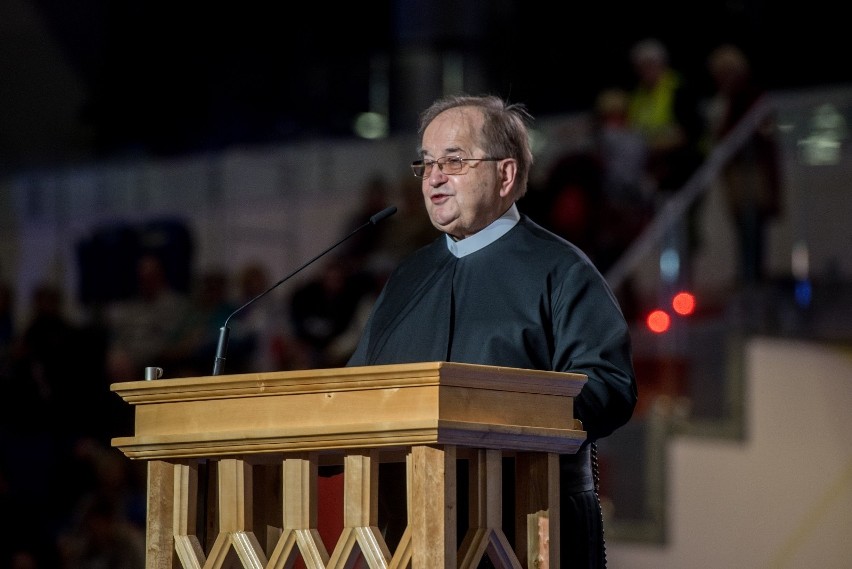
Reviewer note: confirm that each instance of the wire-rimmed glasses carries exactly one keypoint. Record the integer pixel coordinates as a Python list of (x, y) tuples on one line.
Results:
[(450, 165)]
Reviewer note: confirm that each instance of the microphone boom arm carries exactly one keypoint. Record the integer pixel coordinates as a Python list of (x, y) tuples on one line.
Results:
[(224, 331)]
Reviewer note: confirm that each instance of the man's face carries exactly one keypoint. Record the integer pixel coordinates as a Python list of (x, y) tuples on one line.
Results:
[(462, 204)]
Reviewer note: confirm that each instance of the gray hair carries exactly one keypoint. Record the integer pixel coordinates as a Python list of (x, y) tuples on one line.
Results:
[(504, 133)]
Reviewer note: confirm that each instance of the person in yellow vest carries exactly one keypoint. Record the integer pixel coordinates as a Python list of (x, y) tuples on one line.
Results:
[(665, 110)]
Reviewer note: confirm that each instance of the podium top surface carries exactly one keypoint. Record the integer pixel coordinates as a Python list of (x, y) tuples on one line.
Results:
[(336, 409), (347, 378)]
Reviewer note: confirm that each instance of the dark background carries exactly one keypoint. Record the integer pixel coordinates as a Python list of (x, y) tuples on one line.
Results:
[(95, 79)]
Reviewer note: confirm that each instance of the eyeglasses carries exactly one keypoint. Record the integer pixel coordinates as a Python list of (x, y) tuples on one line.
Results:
[(447, 165)]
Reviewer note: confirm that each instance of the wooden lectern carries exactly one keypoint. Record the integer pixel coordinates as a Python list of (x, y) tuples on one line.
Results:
[(233, 464)]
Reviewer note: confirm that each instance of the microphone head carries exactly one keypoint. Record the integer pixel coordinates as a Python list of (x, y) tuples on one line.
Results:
[(387, 212)]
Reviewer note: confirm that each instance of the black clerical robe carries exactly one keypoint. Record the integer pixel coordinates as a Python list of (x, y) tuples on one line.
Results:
[(529, 300)]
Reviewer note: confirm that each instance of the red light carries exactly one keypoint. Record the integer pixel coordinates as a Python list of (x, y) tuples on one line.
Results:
[(658, 321), (684, 303)]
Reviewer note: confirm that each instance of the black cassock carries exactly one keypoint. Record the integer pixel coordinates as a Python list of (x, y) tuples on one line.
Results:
[(528, 300)]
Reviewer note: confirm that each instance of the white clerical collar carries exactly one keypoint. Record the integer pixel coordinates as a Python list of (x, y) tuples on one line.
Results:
[(487, 236)]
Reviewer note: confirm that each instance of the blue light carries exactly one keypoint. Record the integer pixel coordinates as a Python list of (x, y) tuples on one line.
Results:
[(803, 293), (669, 265)]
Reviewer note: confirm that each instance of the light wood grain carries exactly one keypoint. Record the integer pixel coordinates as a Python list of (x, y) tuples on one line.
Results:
[(230, 443)]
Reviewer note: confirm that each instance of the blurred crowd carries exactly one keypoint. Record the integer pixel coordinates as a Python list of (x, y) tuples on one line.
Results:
[(646, 142), (70, 500)]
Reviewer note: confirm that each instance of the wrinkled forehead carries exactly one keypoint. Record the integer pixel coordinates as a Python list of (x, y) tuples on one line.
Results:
[(455, 130)]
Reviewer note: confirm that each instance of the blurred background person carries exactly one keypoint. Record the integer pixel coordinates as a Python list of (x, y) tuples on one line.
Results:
[(374, 196), (105, 527), (192, 351), (323, 308), (622, 153), (262, 329), (55, 377), (409, 228), (627, 200), (751, 177), (144, 326), (664, 108), (34, 410)]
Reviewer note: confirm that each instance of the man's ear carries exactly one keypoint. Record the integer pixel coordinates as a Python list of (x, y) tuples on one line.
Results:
[(508, 170)]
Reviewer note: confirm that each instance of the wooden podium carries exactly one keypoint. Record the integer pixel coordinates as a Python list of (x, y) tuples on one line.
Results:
[(233, 464)]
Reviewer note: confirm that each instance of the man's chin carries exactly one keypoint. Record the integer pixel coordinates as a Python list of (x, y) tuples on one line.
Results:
[(444, 224)]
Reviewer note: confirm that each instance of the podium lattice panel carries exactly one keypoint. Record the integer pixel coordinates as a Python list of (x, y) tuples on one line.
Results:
[(279, 527)]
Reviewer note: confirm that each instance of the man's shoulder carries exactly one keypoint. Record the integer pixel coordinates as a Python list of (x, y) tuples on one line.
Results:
[(530, 229), (549, 246)]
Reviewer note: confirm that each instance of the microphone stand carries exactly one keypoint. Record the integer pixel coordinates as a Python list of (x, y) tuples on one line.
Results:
[(224, 331)]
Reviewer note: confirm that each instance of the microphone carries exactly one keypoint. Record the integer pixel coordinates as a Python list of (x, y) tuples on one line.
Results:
[(224, 331)]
